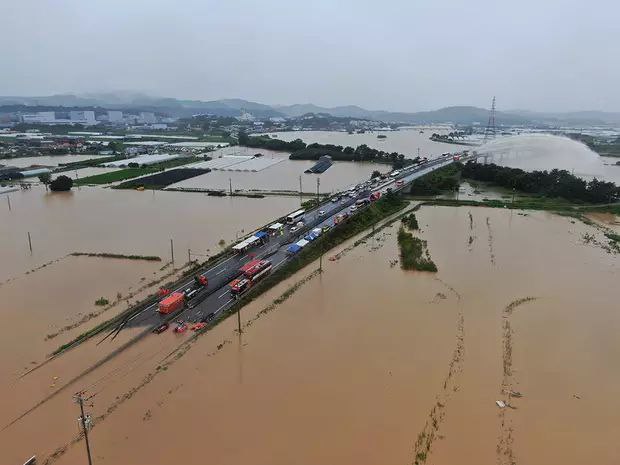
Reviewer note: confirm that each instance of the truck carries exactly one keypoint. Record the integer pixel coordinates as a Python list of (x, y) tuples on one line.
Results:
[(400, 183), (177, 300), (340, 218), (251, 273), (375, 196), (172, 303)]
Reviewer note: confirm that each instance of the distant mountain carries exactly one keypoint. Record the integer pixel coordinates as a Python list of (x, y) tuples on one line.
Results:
[(586, 118), (457, 114), (464, 115)]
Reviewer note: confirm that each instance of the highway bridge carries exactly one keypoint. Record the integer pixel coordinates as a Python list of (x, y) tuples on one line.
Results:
[(217, 297)]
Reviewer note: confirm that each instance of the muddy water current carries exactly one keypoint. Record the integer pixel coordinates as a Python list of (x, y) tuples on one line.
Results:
[(366, 363)]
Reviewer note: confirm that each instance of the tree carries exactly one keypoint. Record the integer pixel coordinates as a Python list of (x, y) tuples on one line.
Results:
[(116, 146), (45, 178), (61, 183), (375, 174)]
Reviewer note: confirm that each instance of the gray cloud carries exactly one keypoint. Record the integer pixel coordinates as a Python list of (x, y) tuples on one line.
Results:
[(396, 55)]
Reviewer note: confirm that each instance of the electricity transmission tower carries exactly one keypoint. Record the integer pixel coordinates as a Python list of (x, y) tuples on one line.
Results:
[(489, 132)]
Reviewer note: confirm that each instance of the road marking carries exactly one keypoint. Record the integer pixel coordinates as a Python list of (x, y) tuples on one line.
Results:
[(224, 305), (220, 272), (222, 295)]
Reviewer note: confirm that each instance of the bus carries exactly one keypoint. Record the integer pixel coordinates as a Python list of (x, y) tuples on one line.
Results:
[(295, 216)]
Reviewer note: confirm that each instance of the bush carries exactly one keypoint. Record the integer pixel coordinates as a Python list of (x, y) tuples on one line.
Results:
[(61, 183), (101, 301), (411, 222), (413, 253)]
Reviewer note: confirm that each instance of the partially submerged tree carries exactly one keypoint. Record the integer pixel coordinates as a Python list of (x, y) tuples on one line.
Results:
[(61, 183)]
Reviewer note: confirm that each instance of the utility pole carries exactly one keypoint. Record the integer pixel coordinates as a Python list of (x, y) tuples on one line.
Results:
[(189, 256), (318, 184), (230, 186), (85, 423), (29, 242), (8, 200), (172, 251), (239, 320), (300, 202)]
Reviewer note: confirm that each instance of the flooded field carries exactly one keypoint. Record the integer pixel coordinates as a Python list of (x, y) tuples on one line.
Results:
[(405, 141), (104, 220), (546, 152), (374, 364), (283, 176), (46, 160)]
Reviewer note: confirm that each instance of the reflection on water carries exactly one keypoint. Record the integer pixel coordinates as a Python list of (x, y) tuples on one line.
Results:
[(546, 152)]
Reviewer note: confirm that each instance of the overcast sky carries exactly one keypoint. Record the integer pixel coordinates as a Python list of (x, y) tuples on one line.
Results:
[(406, 55)]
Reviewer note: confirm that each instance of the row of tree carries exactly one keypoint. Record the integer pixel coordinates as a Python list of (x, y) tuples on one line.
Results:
[(300, 151), (554, 183)]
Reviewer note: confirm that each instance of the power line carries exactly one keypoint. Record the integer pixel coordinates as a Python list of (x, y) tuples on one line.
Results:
[(490, 131)]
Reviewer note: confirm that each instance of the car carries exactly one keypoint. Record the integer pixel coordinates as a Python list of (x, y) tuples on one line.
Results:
[(352, 208), (335, 199), (321, 212), (161, 328), (294, 228), (352, 194), (326, 228)]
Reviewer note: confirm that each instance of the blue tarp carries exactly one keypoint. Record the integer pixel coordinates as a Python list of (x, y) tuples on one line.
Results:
[(260, 234), (293, 248)]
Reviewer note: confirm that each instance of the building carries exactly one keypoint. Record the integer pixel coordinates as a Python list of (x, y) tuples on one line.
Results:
[(115, 116), (147, 117), (40, 117), (82, 117)]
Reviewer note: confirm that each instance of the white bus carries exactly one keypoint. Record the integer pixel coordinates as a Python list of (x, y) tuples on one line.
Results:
[(295, 216)]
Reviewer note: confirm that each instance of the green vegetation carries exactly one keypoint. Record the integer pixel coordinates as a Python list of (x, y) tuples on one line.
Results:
[(102, 301), (161, 180), (150, 258), (129, 173), (434, 183), (45, 179), (97, 160), (413, 253), (300, 151), (411, 222), (613, 236), (61, 184), (554, 183), (266, 142)]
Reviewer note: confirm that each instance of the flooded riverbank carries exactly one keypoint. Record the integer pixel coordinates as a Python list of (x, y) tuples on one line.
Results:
[(370, 361)]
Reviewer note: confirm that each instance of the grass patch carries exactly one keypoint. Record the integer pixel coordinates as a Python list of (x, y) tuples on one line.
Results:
[(413, 253), (102, 301), (130, 173)]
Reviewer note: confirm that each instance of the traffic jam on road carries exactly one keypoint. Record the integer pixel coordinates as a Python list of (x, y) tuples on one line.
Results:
[(195, 304)]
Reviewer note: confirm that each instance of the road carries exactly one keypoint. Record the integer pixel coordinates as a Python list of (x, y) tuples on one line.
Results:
[(217, 297)]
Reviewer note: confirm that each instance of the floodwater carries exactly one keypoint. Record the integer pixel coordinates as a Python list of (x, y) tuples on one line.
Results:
[(405, 141), (546, 152), (94, 219), (24, 162), (283, 176), (366, 359)]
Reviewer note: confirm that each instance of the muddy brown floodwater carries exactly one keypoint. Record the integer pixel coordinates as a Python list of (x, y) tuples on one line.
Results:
[(94, 219), (369, 364)]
